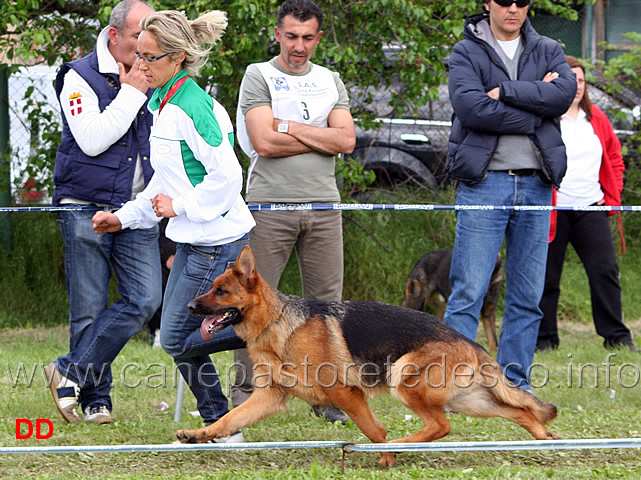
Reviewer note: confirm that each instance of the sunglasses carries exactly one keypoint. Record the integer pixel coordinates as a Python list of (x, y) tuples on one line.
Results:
[(507, 3)]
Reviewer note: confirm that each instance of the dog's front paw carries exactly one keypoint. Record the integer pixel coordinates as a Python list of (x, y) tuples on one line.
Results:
[(388, 459), (553, 436), (185, 436)]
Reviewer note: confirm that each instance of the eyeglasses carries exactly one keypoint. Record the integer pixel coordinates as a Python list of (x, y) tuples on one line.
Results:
[(150, 58), (508, 3)]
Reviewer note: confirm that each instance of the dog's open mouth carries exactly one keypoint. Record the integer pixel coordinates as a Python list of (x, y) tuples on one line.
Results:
[(217, 322)]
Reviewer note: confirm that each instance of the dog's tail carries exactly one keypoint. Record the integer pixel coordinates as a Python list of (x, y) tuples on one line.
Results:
[(543, 412), (506, 392)]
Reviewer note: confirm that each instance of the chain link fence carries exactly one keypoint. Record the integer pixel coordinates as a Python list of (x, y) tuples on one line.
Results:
[(32, 103), (567, 32)]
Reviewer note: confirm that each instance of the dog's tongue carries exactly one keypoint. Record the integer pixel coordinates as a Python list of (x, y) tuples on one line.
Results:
[(206, 326), (214, 323)]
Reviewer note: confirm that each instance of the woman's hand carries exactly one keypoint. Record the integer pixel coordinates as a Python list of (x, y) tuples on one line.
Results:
[(162, 205)]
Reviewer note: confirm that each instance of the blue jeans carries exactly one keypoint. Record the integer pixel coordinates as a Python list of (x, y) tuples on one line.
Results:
[(98, 332), (479, 236), (194, 269)]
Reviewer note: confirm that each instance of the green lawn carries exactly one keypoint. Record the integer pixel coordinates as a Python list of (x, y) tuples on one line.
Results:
[(592, 404), (595, 401)]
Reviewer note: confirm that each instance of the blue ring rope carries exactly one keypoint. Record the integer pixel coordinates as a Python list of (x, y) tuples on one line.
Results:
[(365, 206)]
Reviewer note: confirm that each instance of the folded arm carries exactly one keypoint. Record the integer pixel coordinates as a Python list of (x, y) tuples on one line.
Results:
[(545, 98), (512, 106), (338, 137), (475, 108)]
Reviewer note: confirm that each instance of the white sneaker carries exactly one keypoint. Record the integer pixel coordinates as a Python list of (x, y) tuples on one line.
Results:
[(98, 414), (156, 343), (65, 393), (236, 437)]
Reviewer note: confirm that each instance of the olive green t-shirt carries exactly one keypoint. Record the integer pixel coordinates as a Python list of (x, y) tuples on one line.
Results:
[(307, 98)]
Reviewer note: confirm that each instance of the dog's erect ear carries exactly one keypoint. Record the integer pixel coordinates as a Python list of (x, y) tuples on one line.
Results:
[(412, 288), (245, 265)]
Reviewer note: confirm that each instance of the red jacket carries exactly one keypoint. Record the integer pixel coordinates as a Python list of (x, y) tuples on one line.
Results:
[(611, 173)]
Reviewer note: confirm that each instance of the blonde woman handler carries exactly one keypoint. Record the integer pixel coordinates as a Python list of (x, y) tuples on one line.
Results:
[(197, 185)]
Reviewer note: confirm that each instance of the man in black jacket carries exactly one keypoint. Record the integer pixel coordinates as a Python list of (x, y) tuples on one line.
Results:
[(508, 86)]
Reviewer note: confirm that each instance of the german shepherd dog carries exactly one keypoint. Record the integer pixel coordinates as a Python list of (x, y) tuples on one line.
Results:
[(342, 353), (428, 285)]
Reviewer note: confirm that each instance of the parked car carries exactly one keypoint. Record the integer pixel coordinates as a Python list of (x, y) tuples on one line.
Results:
[(413, 150), (409, 149)]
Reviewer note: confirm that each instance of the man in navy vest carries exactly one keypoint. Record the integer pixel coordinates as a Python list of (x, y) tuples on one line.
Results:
[(103, 162)]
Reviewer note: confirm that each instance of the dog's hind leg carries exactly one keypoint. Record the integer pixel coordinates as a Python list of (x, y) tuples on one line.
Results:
[(429, 407), (352, 401), (481, 403), (523, 417)]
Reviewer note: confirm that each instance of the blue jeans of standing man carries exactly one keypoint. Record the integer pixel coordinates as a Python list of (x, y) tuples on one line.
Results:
[(98, 332), (195, 267), (479, 236)]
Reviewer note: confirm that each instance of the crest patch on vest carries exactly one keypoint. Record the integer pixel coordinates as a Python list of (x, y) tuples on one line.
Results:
[(75, 101), (280, 83)]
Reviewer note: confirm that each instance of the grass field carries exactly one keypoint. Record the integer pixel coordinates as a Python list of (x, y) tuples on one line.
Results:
[(595, 400), (592, 404)]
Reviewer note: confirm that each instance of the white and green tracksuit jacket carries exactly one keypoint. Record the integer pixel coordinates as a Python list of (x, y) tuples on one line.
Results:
[(195, 164)]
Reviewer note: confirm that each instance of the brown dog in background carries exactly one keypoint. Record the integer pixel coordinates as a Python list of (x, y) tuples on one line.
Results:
[(429, 284), (343, 353)]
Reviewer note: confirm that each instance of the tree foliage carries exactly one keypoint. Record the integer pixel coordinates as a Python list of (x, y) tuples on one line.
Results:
[(47, 31), (622, 75), (355, 34)]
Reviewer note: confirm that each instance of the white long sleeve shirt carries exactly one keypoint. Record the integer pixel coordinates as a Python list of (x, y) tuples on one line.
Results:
[(580, 185), (195, 164)]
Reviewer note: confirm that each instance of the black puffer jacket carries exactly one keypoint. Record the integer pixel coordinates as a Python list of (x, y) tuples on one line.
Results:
[(527, 106)]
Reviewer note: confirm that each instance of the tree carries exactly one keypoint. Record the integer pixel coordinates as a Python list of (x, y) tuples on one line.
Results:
[(622, 75), (48, 31), (355, 34)]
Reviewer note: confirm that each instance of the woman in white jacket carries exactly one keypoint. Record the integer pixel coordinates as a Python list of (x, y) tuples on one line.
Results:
[(197, 184)]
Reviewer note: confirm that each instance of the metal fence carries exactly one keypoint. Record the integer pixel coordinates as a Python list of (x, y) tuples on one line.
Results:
[(569, 33), (28, 88)]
